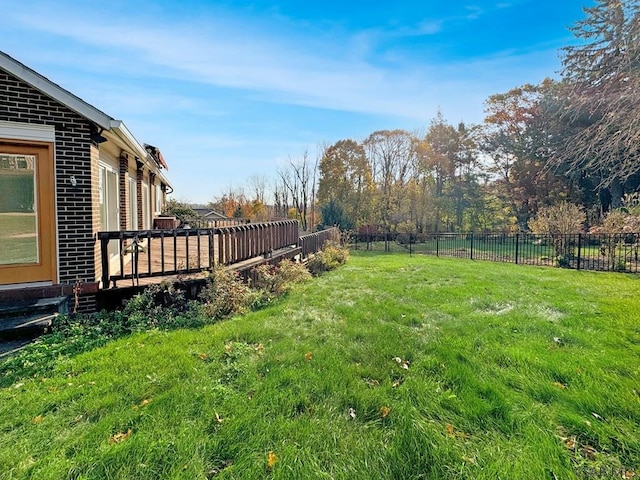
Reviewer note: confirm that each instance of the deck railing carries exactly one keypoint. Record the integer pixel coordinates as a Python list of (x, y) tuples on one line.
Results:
[(156, 253), (314, 242)]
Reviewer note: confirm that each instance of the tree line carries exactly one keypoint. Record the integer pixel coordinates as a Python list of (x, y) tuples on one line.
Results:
[(575, 140)]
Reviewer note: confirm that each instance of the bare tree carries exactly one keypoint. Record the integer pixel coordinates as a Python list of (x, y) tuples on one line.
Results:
[(598, 102), (298, 178), (258, 186), (391, 154)]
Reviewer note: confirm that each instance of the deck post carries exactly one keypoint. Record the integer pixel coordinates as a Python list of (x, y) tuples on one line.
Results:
[(104, 252)]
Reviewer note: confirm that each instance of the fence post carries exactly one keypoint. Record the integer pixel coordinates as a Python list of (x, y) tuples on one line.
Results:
[(471, 245), (517, 246), (437, 244), (579, 248)]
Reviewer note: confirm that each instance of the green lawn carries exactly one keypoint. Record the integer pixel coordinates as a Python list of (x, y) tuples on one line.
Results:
[(18, 238), (392, 367)]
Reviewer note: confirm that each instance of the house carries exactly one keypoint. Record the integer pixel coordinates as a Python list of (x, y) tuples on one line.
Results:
[(67, 171), (210, 214)]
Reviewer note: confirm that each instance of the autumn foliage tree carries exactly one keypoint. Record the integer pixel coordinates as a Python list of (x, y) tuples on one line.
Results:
[(515, 137), (345, 188)]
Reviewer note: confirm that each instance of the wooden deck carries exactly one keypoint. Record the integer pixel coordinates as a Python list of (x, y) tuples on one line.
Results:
[(134, 255)]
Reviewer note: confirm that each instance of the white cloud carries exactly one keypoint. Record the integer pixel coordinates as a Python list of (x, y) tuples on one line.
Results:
[(278, 70)]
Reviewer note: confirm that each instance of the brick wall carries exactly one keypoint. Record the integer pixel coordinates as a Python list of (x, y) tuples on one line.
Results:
[(75, 206)]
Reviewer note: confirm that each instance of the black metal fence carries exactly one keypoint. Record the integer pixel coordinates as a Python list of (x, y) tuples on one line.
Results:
[(582, 251)]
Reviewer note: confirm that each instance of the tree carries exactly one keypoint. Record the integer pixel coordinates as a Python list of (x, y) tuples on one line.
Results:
[(182, 211), (391, 154), (333, 214), (345, 181), (447, 159), (598, 103), (232, 203), (298, 179), (515, 136)]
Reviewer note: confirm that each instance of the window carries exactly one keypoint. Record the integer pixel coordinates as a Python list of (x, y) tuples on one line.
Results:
[(158, 199), (146, 207), (133, 204), (109, 211)]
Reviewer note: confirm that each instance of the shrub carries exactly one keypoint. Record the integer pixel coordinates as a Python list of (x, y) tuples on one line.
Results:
[(226, 295), (331, 257), (183, 212), (278, 279), (157, 306), (558, 221)]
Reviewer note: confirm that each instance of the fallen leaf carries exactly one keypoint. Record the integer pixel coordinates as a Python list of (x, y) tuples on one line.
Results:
[(595, 415), (352, 413), (271, 459), (37, 419), (452, 432), (384, 411), (228, 347), (202, 356), (258, 347), (145, 402), (629, 474), (570, 443), (307, 357), (372, 382), (559, 385), (396, 383), (219, 419), (403, 363), (589, 452), (120, 437)]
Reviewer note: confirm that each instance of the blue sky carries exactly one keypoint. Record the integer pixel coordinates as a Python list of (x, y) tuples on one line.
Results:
[(231, 89)]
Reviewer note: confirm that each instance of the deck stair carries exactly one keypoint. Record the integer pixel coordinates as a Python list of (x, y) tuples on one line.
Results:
[(24, 320)]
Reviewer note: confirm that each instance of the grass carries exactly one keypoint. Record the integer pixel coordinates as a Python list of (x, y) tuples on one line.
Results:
[(391, 367), (503, 249), (18, 242)]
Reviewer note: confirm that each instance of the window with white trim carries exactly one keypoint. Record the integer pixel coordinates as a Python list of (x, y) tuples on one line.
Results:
[(146, 207), (133, 204)]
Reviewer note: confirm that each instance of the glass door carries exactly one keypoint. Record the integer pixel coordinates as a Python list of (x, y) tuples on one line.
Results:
[(27, 222)]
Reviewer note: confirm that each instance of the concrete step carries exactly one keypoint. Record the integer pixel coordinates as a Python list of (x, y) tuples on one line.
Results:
[(8, 348), (22, 321), (26, 326), (32, 306)]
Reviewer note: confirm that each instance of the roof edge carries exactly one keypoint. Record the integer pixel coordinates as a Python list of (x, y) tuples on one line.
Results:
[(55, 91)]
